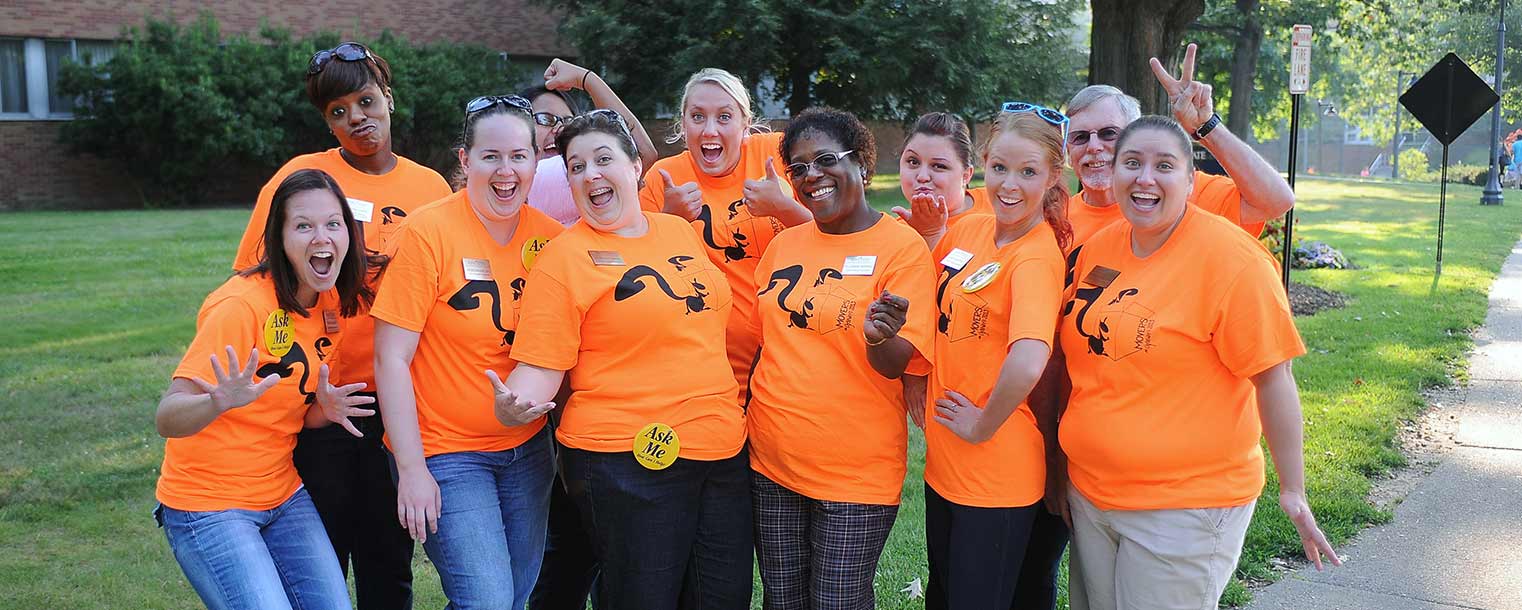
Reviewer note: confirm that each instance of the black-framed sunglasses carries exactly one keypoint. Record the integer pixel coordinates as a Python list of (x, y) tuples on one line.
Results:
[(827, 160), (487, 101), (1105, 134), (545, 119), (348, 51)]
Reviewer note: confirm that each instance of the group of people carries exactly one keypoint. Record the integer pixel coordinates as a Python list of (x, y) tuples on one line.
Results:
[(586, 373)]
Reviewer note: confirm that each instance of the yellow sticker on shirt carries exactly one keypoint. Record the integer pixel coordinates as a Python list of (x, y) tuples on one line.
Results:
[(278, 335), (656, 446), (982, 277), (531, 250)]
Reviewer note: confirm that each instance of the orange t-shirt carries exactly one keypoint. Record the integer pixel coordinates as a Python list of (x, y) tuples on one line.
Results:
[(734, 239), (460, 290), (1163, 413), (380, 203), (823, 422), (639, 323), (243, 458), (1215, 194), (974, 333)]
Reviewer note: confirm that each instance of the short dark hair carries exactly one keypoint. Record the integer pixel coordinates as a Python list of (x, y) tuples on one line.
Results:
[(1160, 123), (597, 121), (843, 126), (353, 289), (533, 92), (339, 78)]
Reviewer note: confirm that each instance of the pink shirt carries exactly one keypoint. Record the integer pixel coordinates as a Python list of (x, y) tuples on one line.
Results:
[(551, 191)]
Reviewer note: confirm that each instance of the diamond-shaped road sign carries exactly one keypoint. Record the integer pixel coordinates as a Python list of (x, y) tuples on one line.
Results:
[(1448, 98)]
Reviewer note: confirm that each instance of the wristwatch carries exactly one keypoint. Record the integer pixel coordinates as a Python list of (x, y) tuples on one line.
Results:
[(1210, 125)]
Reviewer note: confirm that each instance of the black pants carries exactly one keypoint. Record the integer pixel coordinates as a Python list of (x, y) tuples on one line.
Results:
[(668, 539), (974, 553), (1037, 587), (349, 480), (570, 568)]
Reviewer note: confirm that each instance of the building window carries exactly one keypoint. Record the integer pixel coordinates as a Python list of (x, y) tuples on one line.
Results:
[(29, 70)]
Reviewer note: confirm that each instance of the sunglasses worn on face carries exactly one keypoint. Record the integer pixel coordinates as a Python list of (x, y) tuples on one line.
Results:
[(1081, 138), (545, 119), (349, 51), (824, 161), (1046, 114), (487, 101)]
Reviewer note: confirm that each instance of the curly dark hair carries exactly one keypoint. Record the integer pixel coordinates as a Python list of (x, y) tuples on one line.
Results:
[(843, 126)]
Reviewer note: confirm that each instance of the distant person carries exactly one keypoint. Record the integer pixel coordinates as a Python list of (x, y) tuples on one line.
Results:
[(347, 471), (234, 508)]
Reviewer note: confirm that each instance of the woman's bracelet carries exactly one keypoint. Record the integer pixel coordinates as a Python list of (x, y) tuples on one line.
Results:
[(879, 342), (584, 79)]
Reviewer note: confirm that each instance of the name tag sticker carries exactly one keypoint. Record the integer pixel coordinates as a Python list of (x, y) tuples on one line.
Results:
[(477, 269), (361, 209), (606, 258), (330, 321), (1101, 277), (859, 265), (957, 259)]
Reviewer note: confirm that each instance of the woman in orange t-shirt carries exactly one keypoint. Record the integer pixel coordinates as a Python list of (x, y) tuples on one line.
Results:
[(347, 472), (473, 490), (238, 519), (998, 296), (1178, 339), (628, 308), (934, 169), (827, 428), (726, 185)]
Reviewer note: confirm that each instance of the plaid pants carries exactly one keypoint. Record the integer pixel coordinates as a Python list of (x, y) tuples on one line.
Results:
[(816, 554)]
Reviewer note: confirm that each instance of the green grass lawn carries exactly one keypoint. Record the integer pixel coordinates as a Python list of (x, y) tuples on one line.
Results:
[(96, 307)]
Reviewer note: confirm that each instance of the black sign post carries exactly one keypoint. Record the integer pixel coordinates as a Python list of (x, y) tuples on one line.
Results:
[(1447, 100)]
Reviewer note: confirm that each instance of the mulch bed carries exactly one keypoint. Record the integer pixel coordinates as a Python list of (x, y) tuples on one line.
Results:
[(1307, 300)]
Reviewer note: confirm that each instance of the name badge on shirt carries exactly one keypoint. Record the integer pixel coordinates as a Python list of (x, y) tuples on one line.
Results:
[(1101, 277), (606, 258), (957, 259), (330, 321), (361, 209), (859, 265), (477, 269)]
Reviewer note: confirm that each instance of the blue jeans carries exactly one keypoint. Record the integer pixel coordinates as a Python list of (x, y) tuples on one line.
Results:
[(491, 534), (258, 559)]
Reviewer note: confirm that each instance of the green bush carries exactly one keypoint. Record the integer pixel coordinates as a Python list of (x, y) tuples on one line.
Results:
[(181, 107), (1415, 166)]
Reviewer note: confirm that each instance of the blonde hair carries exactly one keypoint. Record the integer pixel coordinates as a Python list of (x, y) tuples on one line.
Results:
[(1049, 137), (722, 79)]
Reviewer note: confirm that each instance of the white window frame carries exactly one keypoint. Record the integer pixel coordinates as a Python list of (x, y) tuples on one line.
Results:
[(35, 64)]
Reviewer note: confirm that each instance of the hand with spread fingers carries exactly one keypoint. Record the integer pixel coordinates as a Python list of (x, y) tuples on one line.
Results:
[(1189, 99), (927, 213), (962, 417), (681, 200), (338, 403), (885, 317), (512, 409), (235, 385)]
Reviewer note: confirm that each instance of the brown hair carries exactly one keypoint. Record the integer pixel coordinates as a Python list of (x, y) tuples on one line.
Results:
[(353, 289), (945, 125), (1166, 125), (339, 78), (1049, 137)]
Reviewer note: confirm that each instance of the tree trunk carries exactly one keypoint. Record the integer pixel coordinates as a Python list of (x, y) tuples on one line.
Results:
[(1244, 69), (1127, 33)]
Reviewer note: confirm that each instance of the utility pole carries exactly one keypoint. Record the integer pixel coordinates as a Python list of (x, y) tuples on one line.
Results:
[(1492, 194)]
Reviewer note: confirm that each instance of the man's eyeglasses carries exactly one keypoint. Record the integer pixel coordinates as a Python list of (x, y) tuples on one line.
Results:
[(1081, 138), (487, 101), (1046, 114), (545, 119), (827, 160), (349, 51)]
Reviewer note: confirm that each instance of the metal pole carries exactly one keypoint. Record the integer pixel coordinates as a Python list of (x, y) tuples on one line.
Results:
[(1492, 194), (1289, 217)]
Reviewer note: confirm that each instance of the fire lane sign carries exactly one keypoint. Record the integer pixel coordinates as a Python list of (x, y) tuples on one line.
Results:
[(1300, 59)]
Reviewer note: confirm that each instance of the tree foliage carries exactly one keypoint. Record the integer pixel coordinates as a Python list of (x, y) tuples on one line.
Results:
[(183, 107), (886, 59)]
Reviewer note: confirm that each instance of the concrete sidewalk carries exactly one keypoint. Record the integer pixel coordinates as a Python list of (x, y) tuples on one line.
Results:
[(1456, 540)]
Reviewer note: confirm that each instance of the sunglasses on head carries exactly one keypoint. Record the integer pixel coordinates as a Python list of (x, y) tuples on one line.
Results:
[(349, 51), (1106, 134), (1046, 114), (827, 160), (487, 101)]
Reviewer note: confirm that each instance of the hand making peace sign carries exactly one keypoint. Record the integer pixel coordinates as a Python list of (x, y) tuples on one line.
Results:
[(1190, 99)]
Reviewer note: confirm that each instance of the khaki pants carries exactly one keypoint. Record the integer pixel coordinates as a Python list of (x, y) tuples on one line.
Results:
[(1153, 559)]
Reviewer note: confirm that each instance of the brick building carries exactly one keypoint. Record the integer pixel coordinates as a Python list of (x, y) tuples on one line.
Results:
[(36, 35)]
